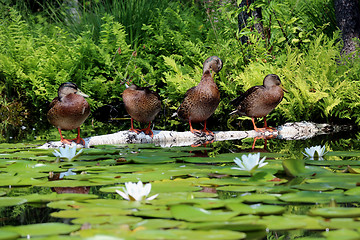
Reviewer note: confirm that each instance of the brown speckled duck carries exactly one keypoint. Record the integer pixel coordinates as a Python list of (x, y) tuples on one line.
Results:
[(201, 101), (143, 105), (69, 110), (259, 101)]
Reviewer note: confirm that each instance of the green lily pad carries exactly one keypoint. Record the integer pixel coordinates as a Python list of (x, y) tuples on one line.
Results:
[(243, 226), (334, 163), (90, 212), (257, 209), (11, 201), (153, 213), (275, 223), (237, 188), (7, 235), (318, 197), (353, 192), (38, 198), (314, 187), (175, 234), (67, 183), (339, 223), (157, 224), (343, 234), (194, 214), (111, 220), (42, 229), (332, 212), (294, 167), (177, 185), (258, 197)]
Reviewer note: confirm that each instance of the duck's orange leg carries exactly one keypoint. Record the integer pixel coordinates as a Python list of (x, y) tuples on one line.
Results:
[(256, 138), (62, 139), (270, 129), (148, 131), (132, 129), (78, 139), (194, 131), (207, 132), (255, 128)]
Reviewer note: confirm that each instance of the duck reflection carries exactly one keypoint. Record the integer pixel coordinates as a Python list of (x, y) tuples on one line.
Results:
[(264, 149)]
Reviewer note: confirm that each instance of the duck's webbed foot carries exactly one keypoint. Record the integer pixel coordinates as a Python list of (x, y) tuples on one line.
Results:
[(135, 130), (79, 140), (148, 131)]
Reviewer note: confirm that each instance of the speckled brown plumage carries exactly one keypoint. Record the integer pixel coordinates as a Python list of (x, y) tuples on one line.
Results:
[(141, 104), (259, 101), (69, 110), (201, 101)]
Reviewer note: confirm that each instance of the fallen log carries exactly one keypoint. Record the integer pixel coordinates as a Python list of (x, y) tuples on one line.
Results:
[(288, 131)]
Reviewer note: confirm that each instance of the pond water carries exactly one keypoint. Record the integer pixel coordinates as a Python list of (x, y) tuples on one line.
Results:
[(200, 196)]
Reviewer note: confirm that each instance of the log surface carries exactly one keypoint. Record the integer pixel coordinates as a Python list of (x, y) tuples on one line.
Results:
[(288, 131)]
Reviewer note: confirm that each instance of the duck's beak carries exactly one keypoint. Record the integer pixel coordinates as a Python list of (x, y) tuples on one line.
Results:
[(81, 93), (212, 73), (284, 89)]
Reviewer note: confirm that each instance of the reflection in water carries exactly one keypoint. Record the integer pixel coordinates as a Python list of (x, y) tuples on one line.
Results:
[(59, 190), (265, 142), (198, 152)]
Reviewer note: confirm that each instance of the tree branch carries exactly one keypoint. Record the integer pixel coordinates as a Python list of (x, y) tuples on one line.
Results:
[(288, 131)]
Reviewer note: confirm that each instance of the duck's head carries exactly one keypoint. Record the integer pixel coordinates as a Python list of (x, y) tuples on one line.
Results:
[(68, 88), (214, 64), (272, 80)]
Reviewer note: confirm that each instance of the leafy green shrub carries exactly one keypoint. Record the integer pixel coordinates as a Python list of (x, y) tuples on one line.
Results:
[(34, 64), (99, 54)]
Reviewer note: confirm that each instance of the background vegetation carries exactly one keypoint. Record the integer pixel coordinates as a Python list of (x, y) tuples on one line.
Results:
[(164, 43)]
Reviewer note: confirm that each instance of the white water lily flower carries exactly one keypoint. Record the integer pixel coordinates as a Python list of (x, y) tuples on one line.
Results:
[(312, 151), (249, 162), (136, 191), (67, 152)]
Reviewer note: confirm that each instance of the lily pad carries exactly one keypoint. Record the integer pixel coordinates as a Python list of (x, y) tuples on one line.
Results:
[(257, 209), (157, 224), (243, 226), (353, 192), (258, 197), (294, 167), (175, 234), (11, 201), (343, 234), (338, 212), (42, 229), (340, 223), (318, 197), (109, 220), (194, 214), (7, 235), (87, 212)]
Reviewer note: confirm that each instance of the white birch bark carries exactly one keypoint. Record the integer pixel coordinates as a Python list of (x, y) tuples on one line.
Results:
[(288, 131)]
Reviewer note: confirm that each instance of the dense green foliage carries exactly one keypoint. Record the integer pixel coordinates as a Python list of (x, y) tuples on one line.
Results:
[(102, 47)]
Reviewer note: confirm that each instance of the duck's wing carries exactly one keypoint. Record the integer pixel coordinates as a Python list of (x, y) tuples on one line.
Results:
[(149, 91), (189, 91), (53, 102), (243, 96)]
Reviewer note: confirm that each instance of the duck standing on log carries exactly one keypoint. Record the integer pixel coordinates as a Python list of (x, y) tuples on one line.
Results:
[(259, 101), (69, 110), (201, 101), (142, 104)]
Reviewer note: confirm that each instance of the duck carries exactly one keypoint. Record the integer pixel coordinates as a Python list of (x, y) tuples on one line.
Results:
[(142, 104), (259, 101), (201, 101), (69, 110)]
